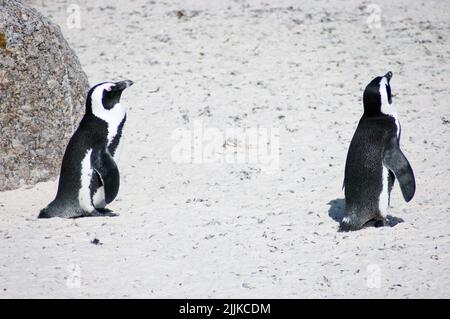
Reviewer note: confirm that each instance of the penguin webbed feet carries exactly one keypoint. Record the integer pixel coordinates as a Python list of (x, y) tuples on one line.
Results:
[(106, 212), (347, 224), (376, 222), (100, 212)]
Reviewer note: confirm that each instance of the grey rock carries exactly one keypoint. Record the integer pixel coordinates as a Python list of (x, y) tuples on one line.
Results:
[(42, 95)]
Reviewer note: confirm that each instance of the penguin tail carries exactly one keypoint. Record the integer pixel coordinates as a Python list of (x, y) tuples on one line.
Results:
[(61, 209), (349, 224), (45, 213), (54, 209), (345, 227)]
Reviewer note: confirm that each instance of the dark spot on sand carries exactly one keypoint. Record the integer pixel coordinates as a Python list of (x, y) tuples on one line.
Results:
[(180, 14), (96, 241)]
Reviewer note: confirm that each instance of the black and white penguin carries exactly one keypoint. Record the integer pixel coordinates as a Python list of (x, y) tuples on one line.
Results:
[(374, 160), (89, 176)]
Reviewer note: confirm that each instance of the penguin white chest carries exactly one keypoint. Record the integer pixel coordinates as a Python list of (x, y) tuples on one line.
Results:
[(84, 193)]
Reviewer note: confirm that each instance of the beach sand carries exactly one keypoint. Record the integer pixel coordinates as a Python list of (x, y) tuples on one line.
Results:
[(221, 230)]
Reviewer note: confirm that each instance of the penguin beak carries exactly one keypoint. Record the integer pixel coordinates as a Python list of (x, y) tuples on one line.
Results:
[(388, 76), (122, 85)]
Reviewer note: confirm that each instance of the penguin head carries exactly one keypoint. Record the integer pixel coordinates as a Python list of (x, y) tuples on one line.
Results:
[(377, 96), (105, 96)]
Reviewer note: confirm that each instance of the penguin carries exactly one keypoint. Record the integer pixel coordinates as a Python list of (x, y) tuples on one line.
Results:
[(89, 178), (374, 161)]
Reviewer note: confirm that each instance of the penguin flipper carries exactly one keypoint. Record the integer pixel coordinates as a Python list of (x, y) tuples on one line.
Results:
[(107, 170), (396, 161)]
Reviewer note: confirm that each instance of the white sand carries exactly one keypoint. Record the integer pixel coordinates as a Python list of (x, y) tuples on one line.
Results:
[(198, 230)]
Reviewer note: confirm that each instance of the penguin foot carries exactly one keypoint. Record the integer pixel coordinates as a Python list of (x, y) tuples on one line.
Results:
[(352, 223), (392, 221), (99, 213), (107, 212), (372, 223), (376, 222), (380, 223), (104, 210)]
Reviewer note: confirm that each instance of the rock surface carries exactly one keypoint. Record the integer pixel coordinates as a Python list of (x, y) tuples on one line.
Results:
[(42, 92)]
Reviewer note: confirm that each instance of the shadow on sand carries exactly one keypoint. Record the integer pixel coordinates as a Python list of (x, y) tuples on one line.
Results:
[(337, 210)]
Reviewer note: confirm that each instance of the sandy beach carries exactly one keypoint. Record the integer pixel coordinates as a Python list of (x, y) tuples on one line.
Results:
[(191, 227)]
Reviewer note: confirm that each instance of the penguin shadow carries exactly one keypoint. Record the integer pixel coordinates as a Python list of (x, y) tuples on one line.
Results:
[(337, 213), (337, 209)]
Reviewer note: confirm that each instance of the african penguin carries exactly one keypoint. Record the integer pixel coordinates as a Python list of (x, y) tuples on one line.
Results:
[(89, 177), (374, 160)]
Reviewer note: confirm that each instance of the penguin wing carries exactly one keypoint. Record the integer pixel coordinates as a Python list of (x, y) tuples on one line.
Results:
[(399, 165), (104, 165)]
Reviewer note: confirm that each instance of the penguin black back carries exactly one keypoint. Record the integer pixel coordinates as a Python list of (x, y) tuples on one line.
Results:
[(369, 173)]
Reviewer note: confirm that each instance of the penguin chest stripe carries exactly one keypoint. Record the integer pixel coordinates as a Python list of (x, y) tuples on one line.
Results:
[(114, 120), (84, 194), (114, 144)]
